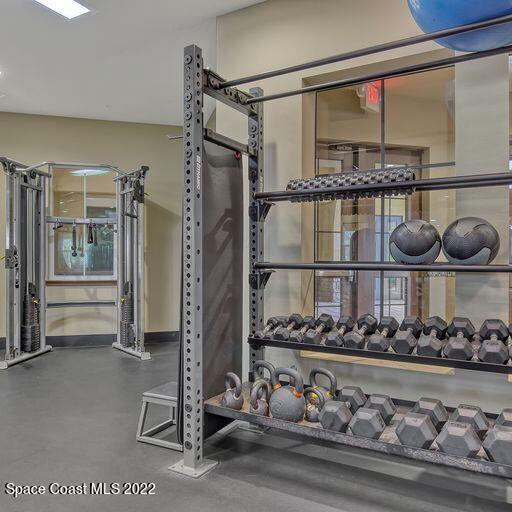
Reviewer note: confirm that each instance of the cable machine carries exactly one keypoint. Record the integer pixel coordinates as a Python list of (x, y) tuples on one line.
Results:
[(27, 227), (25, 262), (130, 263)]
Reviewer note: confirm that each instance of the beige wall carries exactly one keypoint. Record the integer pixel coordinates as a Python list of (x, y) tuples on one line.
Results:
[(283, 32), (32, 139)]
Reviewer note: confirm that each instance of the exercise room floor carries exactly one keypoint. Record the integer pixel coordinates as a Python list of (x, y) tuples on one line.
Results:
[(70, 417)]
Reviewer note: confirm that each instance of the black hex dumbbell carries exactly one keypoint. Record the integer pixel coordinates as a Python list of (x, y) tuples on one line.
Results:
[(494, 335), (294, 322), (366, 324), (431, 341), (272, 323), (324, 323), (380, 341), (405, 339), (460, 332), (335, 337), (308, 322), (473, 415)]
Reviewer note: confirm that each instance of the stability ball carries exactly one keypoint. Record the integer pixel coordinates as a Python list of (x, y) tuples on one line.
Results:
[(433, 15)]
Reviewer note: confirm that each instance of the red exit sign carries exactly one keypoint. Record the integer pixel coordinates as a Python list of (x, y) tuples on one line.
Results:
[(369, 95)]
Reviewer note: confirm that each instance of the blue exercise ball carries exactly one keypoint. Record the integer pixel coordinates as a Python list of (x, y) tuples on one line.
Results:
[(433, 15)]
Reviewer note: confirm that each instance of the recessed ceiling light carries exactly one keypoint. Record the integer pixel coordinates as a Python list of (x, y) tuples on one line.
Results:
[(89, 172), (67, 8)]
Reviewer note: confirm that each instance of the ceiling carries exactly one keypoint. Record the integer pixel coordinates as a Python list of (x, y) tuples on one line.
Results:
[(121, 62)]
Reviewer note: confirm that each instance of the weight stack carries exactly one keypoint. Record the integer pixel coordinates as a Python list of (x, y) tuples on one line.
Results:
[(30, 328), (127, 336)]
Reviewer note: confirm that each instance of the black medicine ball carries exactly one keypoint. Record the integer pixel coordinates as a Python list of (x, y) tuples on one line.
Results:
[(415, 242), (470, 241)]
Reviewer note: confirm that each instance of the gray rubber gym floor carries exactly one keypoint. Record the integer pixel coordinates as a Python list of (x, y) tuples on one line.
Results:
[(70, 417)]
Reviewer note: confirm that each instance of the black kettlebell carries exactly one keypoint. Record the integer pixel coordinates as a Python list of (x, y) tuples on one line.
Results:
[(232, 397), (327, 393), (260, 395), (261, 364), (287, 402), (314, 404)]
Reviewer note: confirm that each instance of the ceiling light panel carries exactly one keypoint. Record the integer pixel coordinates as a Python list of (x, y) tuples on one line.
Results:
[(67, 8)]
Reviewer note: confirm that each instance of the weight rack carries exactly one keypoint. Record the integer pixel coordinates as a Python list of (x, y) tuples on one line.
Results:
[(210, 341)]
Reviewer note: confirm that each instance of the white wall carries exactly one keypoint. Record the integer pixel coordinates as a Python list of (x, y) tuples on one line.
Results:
[(283, 32)]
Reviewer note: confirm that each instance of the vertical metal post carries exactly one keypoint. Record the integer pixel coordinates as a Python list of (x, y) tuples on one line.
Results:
[(193, 463), (382, 276), (256, 225), (18, 271), (10, 347), (139, 278), (120, 254), (43, 245)]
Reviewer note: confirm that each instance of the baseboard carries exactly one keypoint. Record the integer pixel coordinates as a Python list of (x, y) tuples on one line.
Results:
[(98, 340), (161, 336)]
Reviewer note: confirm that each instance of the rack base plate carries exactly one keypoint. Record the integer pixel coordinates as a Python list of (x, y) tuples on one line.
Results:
[(198, 472)]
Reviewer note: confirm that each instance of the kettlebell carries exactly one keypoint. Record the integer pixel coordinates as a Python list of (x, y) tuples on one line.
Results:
[(260, 394), (315, 405), (287, 402), (327, 393), (265, 365), (232, 397)]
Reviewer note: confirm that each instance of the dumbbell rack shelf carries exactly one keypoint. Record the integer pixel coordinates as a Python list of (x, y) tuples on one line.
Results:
[(387, 443), (387, 356), (212, 334)]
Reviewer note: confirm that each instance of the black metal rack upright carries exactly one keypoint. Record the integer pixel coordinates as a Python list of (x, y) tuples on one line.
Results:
[(202, 374)]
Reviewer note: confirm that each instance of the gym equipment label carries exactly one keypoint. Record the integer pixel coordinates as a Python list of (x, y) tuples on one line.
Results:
[(83, 488)]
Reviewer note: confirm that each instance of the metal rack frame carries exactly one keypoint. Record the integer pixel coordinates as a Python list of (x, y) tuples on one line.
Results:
[(27, 247), (195, 409)]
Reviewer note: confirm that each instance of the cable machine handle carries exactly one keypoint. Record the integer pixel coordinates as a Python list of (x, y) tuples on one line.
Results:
[(73, 242)]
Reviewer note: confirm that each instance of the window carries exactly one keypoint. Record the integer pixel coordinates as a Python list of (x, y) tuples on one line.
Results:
[(89, 254), (414, 128)]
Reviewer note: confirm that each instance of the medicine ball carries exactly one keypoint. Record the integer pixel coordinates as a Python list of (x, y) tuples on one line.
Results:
[(416, 242), (470, 241), (433, 15)]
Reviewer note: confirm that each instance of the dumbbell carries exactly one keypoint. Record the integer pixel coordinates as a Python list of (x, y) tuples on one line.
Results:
[(472, 415), (272, 323), (430, 342), (416, 429), (366, 324), (380, 341), (494, 335), (335, 337), (367, 423), (353, 396), (460, 331), (505, 418), (324, 323), (308, 322), (382, 403), (405, 339), (498, 444), (434, 409), (458, 438), (283, 333)]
